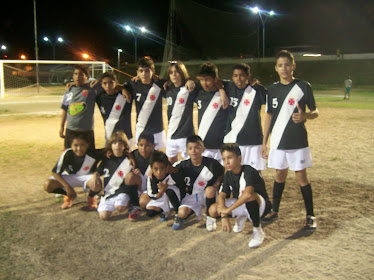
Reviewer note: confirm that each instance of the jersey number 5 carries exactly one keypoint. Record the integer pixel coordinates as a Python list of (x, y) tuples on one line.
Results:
[(275, 103)]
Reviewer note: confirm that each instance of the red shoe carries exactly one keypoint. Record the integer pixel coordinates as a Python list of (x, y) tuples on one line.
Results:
[(68, 202), (92, 203), (134, 213)]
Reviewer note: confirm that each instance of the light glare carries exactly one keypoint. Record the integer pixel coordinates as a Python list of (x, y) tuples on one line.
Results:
[(46, 39), (143, 29)]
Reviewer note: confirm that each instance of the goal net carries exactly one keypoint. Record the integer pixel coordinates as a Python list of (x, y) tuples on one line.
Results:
[(25, 77)]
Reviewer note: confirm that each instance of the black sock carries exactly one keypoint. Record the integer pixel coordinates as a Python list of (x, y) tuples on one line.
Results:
[(254, 211), (209, 202), (132, 192), (151, 213), (307, 194), (277, 194), (59, 191), (173, 199), (92, 194)]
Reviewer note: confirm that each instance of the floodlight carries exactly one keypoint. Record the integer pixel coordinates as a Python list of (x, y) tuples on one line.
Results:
[(120, 50), (271, 13), (60, 39), (255, 10), (143, 29), (3, 47), (128, 28), (46, 39)]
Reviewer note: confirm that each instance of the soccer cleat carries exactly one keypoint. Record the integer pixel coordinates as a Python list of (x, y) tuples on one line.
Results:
[(270, 217), (68, 202), (311, 223), (211, 223), (134, 213), (164, 216), (239, 224), (258, 237), (92, 202), (177, 223)]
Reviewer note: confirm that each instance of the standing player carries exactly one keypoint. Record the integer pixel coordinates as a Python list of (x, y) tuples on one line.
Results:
[(249, 196), (161, 188), (121, 185), (180, 109), (348, 85), (78, 108), (212, 116), (202, 177), (285, 120), (116, 112), (74, 169), (244, 121)]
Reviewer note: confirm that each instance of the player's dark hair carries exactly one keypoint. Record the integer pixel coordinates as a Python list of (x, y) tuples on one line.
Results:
[(109, 75), (158, 156), (208, 69), (147, 137), (145, 62), (286, 54), (80, 136), (195, 139), (82, 68), (117, 136), (181, 69), (231, 147), (242, 66)]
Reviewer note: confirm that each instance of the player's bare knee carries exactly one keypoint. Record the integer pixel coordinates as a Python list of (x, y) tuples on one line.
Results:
[(281, 175), (121, 208), (213, 210), (132, 179), (104, 215), (48, 186), (210, 192), (183, 212)]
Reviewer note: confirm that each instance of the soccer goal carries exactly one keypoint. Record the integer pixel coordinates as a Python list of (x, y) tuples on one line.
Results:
[(25, 77)]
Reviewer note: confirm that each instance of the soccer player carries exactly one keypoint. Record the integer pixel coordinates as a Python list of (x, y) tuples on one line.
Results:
[(244, 121), (348, 85), (161, 188), (212, 116), (74, 169), (78, 108), (180, 109), (121, 185), (202, 177), (249, 196), (114, 109), (285, 120)]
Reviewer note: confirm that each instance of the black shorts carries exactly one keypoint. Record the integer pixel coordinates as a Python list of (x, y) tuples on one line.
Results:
[(69, 135)]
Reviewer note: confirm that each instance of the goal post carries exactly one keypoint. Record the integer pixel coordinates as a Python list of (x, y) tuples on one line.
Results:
[(19, 77)]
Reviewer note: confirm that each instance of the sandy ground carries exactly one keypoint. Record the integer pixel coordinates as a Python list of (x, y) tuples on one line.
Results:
[(38, 240)]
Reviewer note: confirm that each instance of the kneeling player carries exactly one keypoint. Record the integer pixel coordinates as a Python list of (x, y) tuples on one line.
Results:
[(161, 188), (250, 198), (74, 169), (121, 185), (202, 177)]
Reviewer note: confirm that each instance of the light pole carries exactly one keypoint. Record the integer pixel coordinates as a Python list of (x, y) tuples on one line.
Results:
[(59, 40), (263, 16), (135, 33), (119, 57)]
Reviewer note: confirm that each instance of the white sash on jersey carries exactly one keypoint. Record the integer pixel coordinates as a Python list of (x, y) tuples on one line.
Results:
[(242, 112), (202, 180), (60, 161), (117, 178), (170, 183), (178, 110), (284, 115), (147, 109), (86, 166), (209, 115), (115, 113), (242, 184)]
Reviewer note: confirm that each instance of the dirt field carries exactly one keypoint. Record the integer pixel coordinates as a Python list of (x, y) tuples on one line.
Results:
[(39, 240)]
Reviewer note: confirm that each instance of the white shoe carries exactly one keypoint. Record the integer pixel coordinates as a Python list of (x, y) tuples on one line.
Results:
[(239, 224), (258, 237), (211, 223)]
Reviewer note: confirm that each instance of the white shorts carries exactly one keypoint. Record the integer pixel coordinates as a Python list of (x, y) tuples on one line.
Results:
[(110, 204), (251, 155), (75, 180), (174, 146), (296, 160), (213, 153), (163, 202), (195, 202), (242, 210), (160, 139)]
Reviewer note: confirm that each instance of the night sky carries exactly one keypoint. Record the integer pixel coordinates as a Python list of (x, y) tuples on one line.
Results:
[(95, 26)]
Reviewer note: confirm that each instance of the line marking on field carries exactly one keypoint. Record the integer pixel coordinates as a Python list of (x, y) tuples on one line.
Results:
[(30, 101), (32, 113)]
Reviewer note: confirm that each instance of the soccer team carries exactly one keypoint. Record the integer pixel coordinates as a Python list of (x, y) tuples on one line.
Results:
[(221, 170)]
